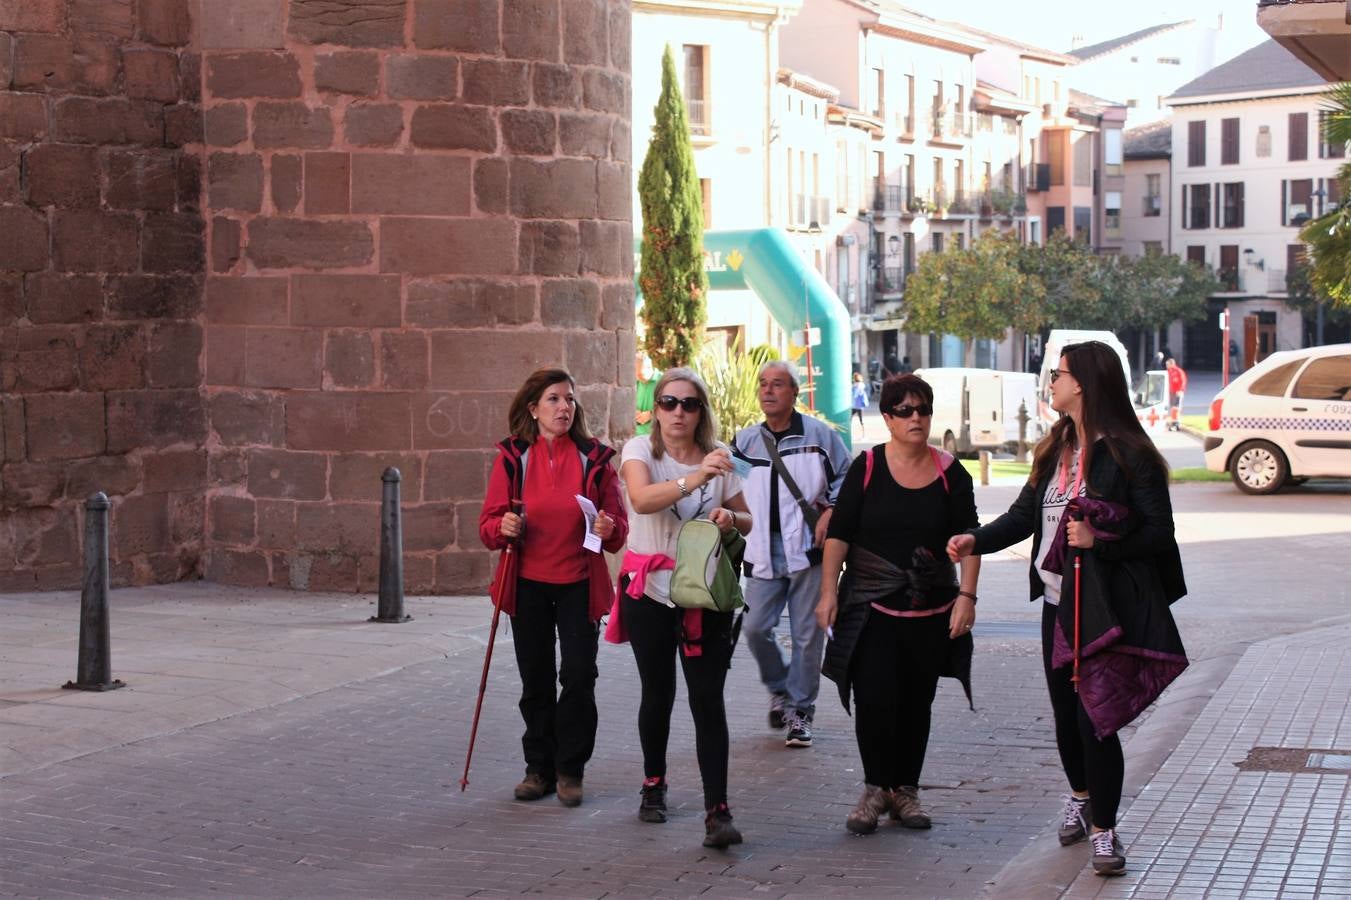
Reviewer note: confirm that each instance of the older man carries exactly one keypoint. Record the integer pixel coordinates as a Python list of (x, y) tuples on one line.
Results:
[(797, 466)]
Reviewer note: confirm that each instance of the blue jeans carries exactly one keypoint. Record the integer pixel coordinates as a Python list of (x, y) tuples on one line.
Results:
[(800, 678)]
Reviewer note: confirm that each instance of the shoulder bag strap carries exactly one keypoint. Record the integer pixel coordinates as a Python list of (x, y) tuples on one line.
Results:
[(809, 513)]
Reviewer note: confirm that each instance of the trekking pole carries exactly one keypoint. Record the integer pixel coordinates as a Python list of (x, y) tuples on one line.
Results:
[(509, 571), (1074, 679)]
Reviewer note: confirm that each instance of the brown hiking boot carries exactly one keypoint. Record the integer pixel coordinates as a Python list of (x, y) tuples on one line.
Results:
[(874, 802), (719, 832), (534, 786), (569, 790), (906, 808)]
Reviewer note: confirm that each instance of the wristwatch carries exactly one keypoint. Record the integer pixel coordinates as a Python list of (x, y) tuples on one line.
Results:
[(680, 486)]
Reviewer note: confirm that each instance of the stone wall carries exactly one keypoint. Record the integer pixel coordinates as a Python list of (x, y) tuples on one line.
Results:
[(101, 259), (407, 205)]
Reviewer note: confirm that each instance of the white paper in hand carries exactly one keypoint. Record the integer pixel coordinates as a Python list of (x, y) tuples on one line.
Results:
[(592, 540)]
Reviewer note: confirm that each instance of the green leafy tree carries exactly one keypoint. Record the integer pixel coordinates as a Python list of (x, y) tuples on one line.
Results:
[(673, 281), (734, 386), (1329, 236), (975, 294), (1302, 297), (1152, 291), (1072, 278)]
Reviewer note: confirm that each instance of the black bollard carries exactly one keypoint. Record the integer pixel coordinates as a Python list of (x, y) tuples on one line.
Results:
[(95, 670), (391, 551)]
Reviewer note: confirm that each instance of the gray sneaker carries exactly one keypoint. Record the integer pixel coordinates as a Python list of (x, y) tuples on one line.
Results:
[(906, 808), (799, 731), (1109, 857), (1074, 820)]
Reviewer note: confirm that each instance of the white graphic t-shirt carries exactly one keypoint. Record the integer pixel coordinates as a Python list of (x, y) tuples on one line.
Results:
[(1052, 509), (656, 532)]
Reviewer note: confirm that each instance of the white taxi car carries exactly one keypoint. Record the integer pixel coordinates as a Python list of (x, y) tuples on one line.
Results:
[(1288, 418)]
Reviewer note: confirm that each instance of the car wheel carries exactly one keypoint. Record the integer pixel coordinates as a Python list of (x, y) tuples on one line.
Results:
[(1259, 467), (950, 443)]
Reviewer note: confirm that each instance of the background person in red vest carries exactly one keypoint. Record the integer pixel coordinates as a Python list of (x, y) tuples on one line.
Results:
[(1177, 386)]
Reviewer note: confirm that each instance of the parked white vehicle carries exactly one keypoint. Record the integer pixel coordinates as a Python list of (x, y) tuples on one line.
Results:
[(1286, 419), (977, 409)]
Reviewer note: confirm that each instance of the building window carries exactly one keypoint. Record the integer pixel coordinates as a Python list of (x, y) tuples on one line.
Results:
[(1083, 160), (877, 86), (1264, 141), (1111, 216), (1153, 248), (1228, 270), (908, 252), (1055, 157), (1112, 151), (960, 240), (1231, 211), (1298, 201), (706, 191), (1153, 196), (1196, 206), (936, 241), (1229, 142), (1055, 219), (908, 126), (1083, 225), (1196, 255), (940, 198), (1326, 150), (1196, 143), (696, 89), (1298, 146)]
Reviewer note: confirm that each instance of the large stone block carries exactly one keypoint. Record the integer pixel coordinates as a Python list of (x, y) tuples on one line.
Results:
[(45, 537), (246, 568), (94, 241), (64, 426), (85, 120), (351, 72), (189, 182), (621, 37), (174, 470), (114, 18), (12, 301), (550, 248), (6, 60), (403, 360), (530, 29), (607, 248), (606, 91), (248, 75), (243, 24), (458, 303), (183, 125), (349, 359), (553, 189), (250, 300), (23, 117), (463, 572), (328, 183), (43, 359), (346, 301), (456, 474), (112, 357), (29, 484), (33, 15), (287, 475), (247, 417), (44, 62), (166, 22), (414, 77), (492, 186), (154, 297), (151, 74), (140, 525), (469, 26), (452, 127), (142, 180), (403, 184), (418, 246), (428, 527), (63, 175), (235, 181), (231, 520), (341, 527), (494, 82), (556, 86), (287, 175), (154, 419), (349, 23), (226, 243), (173, 242), (614, 191), (348, 421), (487, 360), (225, 354), (617, 306), (585, 134), (12, 444), (356, 476), (10, 160), (529, 131), (373, 124), (288, 243), (114, 475), (226, 124), (586, 33), (468, 421), (291, 125), (276, 523), (23, 238), (283, 358), (174, 358), (590, 357), (569, 303)]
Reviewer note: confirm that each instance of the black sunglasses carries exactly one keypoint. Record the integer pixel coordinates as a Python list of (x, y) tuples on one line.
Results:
[(689, 404), (1056, 373), (905, 410)]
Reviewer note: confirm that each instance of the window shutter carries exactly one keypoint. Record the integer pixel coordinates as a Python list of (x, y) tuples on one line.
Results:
[(1238, 201), (1284, 204), (1186, 220), (1218, 205), (1299, 136)]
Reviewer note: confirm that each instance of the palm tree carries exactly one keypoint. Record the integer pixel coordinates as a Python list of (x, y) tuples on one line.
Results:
[(1329, 236)]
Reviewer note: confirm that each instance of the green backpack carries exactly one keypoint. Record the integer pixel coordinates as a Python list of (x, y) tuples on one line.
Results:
[(707, 570)]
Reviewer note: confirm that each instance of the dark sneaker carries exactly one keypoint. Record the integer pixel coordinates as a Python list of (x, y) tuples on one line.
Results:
[(1109, 857), (906, 808), (569, 790), (534, 786), (1074, 820), (777, 716), (652, 808), (874, 802), (799, 731), (719, 831)]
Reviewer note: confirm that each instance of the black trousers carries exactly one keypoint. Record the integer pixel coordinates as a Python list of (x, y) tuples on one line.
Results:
[(1090, 764), (654, 632), (894, 673), (560, 731)]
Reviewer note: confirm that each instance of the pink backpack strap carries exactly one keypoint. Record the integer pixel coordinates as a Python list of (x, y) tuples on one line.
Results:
[(942, 459), (868, 467)]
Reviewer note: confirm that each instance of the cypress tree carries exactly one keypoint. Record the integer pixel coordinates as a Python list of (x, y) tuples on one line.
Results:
[(672, 279)]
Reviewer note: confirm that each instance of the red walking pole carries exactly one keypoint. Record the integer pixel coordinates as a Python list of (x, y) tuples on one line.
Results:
[(1074, 679), (508, 575)]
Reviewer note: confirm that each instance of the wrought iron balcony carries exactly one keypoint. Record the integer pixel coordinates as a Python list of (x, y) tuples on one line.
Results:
[(890, 280), (698, 109), (888, 198)]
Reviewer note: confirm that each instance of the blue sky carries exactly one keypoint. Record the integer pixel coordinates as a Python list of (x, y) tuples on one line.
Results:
[(1054, 23)]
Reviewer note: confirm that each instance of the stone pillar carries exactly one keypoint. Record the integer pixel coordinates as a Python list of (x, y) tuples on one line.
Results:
[(410, 205)]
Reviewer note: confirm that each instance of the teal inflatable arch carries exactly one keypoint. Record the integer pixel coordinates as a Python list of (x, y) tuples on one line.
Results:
[(765, 261)]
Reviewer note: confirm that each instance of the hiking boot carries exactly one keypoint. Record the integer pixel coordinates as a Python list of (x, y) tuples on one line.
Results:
[(874, 802), (799, 731), (1074, 820), (906, 808), (534, 786), (652, 808), (1109, 857), (777, 716), (719, 831), (569, 790)]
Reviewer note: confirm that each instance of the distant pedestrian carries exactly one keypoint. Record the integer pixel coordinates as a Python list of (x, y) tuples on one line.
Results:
[(858, 399), (1106, 566), (906, 368), (1177, 386), (677, 473), (900, 616), (893, 365), (562, 587)]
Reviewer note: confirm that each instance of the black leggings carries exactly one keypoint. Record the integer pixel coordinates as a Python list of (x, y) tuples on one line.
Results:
[(654, 632), (1090, 764), (857, 414), (894, 673)]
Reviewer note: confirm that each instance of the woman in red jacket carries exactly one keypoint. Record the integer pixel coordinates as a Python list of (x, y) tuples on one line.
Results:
[(540, 470)]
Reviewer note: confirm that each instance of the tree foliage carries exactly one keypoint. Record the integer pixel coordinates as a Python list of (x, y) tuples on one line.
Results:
[(733, 380), (673, 281), (1149, 292), (1329, 236), (1071, 276)]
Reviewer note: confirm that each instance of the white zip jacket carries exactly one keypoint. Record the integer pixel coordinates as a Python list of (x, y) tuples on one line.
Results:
[(817, 458)]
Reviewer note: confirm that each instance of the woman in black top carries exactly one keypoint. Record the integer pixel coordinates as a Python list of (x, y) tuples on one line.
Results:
[(902, 607)]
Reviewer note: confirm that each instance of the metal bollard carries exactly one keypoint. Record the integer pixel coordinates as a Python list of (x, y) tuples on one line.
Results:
[(391, 551), (1023, 419), (985, 467), (95, 670)]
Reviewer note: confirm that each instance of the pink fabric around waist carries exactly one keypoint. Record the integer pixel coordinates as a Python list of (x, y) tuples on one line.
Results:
[(912, 613), (637, 566)]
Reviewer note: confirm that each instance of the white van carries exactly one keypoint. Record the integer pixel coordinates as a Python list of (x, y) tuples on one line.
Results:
[(1287, 418), (1050, 359), (977, 409)]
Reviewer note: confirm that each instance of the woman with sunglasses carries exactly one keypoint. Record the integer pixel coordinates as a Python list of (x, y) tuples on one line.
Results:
[(676, 473), (561, 586), (900, 614), (1097, 457)]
